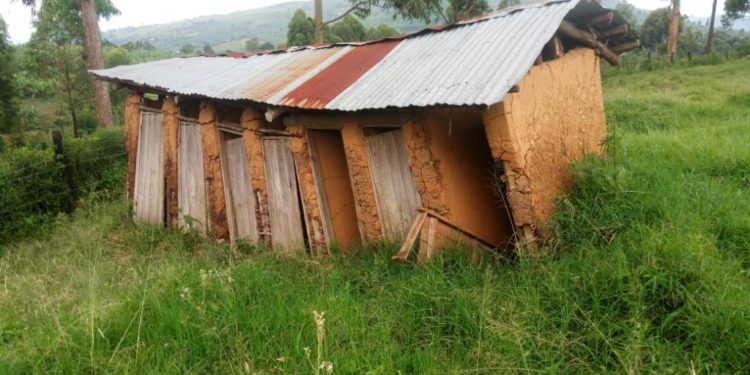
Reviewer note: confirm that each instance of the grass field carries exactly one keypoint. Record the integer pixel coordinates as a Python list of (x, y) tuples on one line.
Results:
[(649, 274)]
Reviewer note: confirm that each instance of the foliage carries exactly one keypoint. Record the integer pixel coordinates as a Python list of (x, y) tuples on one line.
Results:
[(207, 49), (653, 33), (255, 44), (300, 31), (116, 56), (187, 49), (425, 10), (734, 10), (9, 111), (350, 29), (627, 11), (33, 191), (508, 3), (381, 31)]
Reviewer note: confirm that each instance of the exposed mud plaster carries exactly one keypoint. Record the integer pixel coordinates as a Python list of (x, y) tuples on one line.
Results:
[(556, 117), (171, 125), (424, 167), (355, 147), (132, 127), (465, 168), (212, 167), (251, 121), (313, 217)]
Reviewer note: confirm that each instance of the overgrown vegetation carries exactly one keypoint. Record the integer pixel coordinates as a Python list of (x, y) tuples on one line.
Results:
[(649, 274), (34, 188)]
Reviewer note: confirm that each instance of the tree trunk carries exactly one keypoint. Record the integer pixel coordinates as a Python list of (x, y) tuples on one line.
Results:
[(318, 23), (710, 38), (92, 49), (674, 30)]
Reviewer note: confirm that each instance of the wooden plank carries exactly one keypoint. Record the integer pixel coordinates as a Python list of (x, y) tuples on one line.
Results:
[(427, 252), (395, 191), (191, 188), (411, 237), (283, 195), (240, 197), (148, 200)]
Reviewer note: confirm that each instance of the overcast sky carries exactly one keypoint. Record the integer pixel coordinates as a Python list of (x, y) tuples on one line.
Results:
[(146, 12)]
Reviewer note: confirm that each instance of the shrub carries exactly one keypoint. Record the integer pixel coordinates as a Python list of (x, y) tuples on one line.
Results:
[(32, 188)]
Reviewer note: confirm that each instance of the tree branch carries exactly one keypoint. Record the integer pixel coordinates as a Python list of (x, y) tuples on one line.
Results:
[(352, 9)]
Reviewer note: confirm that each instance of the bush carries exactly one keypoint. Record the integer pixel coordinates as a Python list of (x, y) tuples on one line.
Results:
[(33, 191)]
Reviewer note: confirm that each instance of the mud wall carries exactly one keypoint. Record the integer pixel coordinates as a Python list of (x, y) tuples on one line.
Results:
[(313, 216), (171, 124), (554, 119), (355, 147), (252, 121), (132, 127), (453, 166), (212, 168)]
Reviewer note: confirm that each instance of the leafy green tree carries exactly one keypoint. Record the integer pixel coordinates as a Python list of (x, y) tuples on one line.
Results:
[(116, 56), (627, 11), (655, 28), (8, 89), (463, 9), (350, 29), (267, 46), (734, 10), (187, 49), (508, 3), (301, 30), (252, 44), (381, 31), (207, 49)]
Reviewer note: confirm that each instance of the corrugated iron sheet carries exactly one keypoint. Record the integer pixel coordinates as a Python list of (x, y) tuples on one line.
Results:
[(475, 62)]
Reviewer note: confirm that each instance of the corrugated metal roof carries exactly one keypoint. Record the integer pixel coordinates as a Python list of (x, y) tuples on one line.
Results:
[(475, 62)]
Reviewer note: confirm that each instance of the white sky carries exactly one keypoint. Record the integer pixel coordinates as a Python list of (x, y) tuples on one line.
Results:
[(146, 12)]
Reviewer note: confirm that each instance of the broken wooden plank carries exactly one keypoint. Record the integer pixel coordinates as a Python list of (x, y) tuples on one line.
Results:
[(411, 237)]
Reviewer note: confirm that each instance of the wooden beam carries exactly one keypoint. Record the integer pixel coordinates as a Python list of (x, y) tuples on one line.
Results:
[(625, 47), (590, 41), (615, 31), (604, 18)]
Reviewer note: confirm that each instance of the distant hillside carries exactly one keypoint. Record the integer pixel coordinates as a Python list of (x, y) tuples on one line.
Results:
[(228, 31)]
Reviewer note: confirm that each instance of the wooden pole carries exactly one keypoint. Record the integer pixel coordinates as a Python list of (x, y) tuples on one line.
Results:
[(710, 37), (69, 203)]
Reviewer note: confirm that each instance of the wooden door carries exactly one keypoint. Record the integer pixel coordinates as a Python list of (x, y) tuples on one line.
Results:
[(395, 192), (239, 194), (191, 184), (284, 212), (148, 197)]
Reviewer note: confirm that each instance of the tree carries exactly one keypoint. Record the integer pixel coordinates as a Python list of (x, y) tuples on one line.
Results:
[(627, 11), (423, 10), (710, 37), (508, 3), (674, 29), (350, 29), (207, 49), (252, 44), (81, 17), (187, 49), (655, 28), (734, 10), (8, 90), (267, 46), (301, 29), (381, 31)]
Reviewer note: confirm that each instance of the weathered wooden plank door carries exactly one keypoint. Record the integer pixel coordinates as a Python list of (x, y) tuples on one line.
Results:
[(148, 197), (191, 185), (239, 194), (287, 230), (395, 192)]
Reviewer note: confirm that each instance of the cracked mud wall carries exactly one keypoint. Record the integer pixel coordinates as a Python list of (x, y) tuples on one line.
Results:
[(171, 125), (212, 168), (453, 169), (252, 121), (556, 118), (313, 217), (355, 147), (132, 127)]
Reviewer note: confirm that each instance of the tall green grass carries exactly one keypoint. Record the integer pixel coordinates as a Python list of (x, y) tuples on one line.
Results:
[(648, 274)]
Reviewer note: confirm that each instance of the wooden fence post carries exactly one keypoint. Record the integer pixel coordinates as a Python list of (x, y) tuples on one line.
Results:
[(69, 202)]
